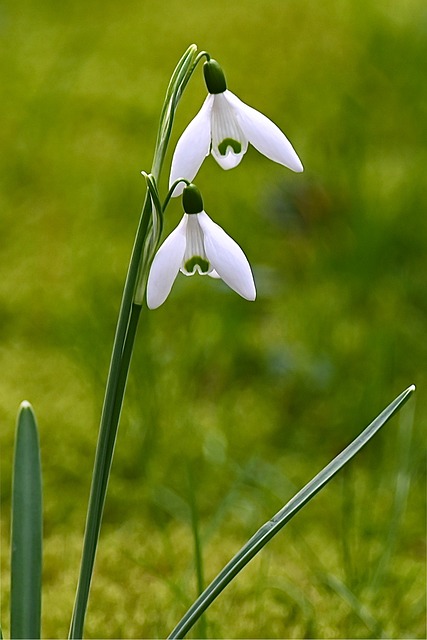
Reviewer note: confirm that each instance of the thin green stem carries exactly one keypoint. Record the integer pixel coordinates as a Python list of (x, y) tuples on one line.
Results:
[(171, 190), (122, 348), (108, 429), (152, 188), (200, 55), (126, 360), (198, 555)]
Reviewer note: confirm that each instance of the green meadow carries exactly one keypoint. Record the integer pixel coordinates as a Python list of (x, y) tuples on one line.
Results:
[(231, 406)]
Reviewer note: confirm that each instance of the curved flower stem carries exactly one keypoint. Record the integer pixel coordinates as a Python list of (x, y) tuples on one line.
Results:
[(171, 190), (200, 55), (127, 325), (282, 517)]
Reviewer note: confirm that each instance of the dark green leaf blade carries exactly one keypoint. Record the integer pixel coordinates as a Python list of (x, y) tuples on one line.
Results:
[(26, 561), (273, 526)]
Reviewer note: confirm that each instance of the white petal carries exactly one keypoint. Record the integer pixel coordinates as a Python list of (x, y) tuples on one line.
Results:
[(192, 147), (227, 258), (264, 135), (224, 126), (230, 160), (165, 265)]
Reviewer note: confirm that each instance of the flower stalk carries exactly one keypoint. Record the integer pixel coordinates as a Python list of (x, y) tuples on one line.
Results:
[(127, 325)]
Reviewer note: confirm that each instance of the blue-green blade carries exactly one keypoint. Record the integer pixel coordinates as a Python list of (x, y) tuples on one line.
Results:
[(26, 561), (273, 526)]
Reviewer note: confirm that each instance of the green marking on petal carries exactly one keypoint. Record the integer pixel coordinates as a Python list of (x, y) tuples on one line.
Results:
[(229, 142), (196, 261)]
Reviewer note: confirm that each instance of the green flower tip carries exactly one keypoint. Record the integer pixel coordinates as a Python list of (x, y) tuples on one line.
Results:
[(191, 199), (214, 77), (25, 406)]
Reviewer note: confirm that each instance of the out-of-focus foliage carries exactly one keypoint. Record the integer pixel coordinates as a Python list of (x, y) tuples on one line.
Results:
[(254, 397)]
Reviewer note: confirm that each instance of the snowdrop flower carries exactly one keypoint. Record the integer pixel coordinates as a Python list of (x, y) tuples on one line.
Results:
[(198, 245), (223, 127)]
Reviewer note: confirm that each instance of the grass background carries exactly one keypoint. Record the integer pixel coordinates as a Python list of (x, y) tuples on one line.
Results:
[(233, 404)]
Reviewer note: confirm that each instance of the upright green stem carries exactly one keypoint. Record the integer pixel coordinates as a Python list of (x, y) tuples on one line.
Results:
[(198, 555), (122, 352), (114, 393)]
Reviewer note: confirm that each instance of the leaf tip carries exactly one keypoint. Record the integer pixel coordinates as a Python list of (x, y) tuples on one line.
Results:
[(26, 414)]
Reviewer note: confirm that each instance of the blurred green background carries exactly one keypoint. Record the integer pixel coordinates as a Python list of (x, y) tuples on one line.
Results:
[(233, 404)]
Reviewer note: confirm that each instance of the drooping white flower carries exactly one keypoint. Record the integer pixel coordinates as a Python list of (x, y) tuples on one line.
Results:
[(198, 245), (224, 127)]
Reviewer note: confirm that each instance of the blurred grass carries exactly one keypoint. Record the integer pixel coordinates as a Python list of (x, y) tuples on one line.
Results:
[(255, 398)]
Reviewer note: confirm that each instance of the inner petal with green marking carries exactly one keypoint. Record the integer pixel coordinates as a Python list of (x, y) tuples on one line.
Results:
[(196, 264), (229, 142), (195, 259)]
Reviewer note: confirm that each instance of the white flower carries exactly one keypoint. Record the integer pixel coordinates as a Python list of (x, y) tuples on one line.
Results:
[(199, 245), (224, 126)]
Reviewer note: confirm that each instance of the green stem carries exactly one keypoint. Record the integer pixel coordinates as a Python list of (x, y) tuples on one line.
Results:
[(113, 400), (126, 360), (198, 555), (121, 355)]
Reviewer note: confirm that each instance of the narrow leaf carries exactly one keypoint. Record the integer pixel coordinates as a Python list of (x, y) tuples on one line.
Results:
[(26, 561), (282, 517)]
